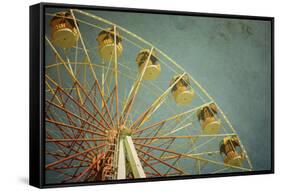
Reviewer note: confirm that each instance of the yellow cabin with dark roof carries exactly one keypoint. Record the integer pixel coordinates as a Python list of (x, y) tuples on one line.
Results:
[(63, 30), (229, 147), (182, 91), (153, 68), (208, 119), (106, 44)]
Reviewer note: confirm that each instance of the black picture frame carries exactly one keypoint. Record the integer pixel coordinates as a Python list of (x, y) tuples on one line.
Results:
[(37, 107)]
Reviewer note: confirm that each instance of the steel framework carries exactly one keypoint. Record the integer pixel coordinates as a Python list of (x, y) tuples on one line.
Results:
[(105, 122)]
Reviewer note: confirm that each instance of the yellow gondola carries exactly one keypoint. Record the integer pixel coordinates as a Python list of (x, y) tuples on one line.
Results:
[(106, 44), (208, 120), (182, 91), (228, 147), (63, 30), (153, 68)]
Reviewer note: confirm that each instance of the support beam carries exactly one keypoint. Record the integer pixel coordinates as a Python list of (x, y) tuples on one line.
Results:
[(133, 158), (121, 172)]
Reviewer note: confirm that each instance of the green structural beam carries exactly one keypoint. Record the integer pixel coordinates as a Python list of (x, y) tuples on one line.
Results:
[(133, 158), (121, 172)]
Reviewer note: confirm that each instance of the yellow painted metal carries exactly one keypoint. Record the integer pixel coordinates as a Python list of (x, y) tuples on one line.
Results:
[(63, 33), (108, 47), (153, 68), (182, 91), (65, 37)]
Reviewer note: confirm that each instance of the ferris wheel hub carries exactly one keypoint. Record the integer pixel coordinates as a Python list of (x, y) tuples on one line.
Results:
[(111, 135), (125, 132)]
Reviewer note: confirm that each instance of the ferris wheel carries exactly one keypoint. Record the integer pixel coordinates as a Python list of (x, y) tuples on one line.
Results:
[(117, 107)]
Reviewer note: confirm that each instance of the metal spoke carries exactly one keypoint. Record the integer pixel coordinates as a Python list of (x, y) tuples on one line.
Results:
[(154, 106), (134, 91), (91, 66), (73, 156)]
